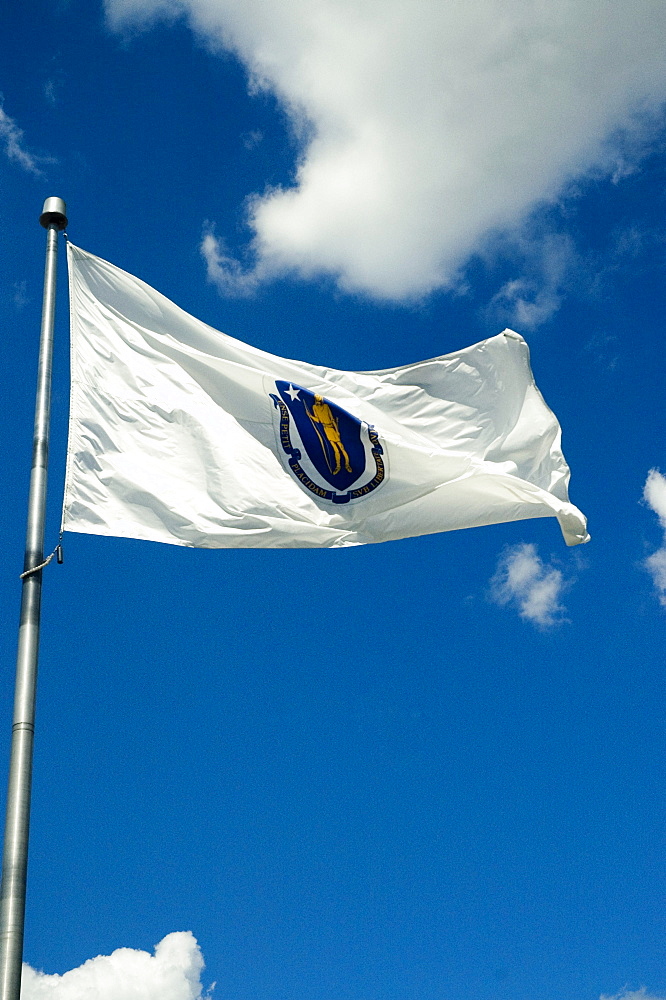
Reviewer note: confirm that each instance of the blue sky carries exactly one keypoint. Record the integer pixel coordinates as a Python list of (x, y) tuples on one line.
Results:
[(387, 772)]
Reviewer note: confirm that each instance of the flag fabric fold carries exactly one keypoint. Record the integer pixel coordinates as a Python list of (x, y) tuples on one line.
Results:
[(182, 434)]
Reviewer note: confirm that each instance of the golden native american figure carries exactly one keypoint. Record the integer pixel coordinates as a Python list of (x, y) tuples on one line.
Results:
[(321, 414)]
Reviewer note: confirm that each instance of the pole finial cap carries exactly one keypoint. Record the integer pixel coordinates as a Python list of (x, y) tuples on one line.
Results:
[(54, 213)]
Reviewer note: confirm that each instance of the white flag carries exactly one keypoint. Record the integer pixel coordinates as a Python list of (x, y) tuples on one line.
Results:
[(179, 433)]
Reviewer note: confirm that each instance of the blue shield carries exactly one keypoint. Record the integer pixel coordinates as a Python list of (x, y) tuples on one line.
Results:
[(330, 435)]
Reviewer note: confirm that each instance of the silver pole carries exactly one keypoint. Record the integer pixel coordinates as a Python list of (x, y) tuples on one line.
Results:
[(15, 853)]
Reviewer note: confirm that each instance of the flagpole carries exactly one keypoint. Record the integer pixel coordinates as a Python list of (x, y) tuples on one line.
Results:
[(17, 821)]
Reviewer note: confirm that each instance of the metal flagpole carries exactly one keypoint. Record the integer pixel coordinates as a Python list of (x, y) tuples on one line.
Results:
[(15, 853)]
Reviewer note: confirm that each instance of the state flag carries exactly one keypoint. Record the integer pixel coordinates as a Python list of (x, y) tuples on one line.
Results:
[(182, 434)]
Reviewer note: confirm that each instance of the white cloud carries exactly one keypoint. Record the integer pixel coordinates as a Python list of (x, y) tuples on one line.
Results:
[(524, 581), (224, 270), (425, 126), (656, 566), (51, 91), (641, 994), (252, 138), (172, 973), (654, 494), (20, 295), (549, 263), (12, 137)]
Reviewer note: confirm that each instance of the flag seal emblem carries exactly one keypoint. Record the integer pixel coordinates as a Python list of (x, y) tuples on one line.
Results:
[(330, 452)]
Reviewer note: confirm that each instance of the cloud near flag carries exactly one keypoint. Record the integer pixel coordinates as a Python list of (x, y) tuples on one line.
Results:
[(182, 434)]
